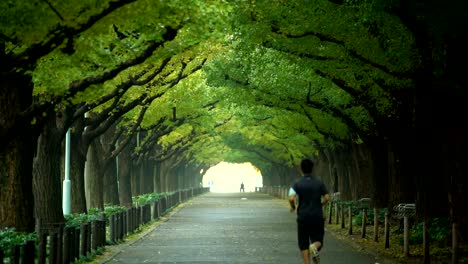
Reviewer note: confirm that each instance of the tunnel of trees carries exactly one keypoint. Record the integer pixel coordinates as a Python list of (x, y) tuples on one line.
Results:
[(153, 92)]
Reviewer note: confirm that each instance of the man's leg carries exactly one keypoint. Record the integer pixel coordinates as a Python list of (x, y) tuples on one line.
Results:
[(306, 256), (317, 245)]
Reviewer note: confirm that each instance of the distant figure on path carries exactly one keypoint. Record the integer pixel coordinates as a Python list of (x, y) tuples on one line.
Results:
[(242, 187), (310, 221)]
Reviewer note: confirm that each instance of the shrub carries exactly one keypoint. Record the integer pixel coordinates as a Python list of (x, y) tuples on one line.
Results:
[(9, 237)]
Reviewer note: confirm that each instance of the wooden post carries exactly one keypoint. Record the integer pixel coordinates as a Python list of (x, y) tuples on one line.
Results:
[(141, 214), (350, 217), (42, 255), (406, 235), (94, 235), (53, 249), (29, 250), (60, 243), (124, 224), (71, 239), (102, 230), (135, 218), (112, 228), (342, 209), (77, 242), (330, 212), (129, 220), (15, 254), (364, 222), (118, 226), (376, 225), (66, 245), (88, 236), (337, 216), (426, 240), (387, 231), (454, 243), (156, 210), (84, 239)]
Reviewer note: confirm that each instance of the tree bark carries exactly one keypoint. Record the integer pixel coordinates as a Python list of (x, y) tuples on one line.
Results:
[(46, 174), (77, 167), (94, 177), (111, 190), (125, 189), (16, 153), (135, 178)]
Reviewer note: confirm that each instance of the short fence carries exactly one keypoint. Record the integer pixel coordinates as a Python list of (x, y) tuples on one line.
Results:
[(62, 244)]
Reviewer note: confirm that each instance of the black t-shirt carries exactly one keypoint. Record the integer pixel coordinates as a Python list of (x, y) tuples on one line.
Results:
[(309, 189)]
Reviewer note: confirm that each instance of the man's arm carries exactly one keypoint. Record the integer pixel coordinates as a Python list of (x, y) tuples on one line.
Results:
[(325, 199), (292, 199)]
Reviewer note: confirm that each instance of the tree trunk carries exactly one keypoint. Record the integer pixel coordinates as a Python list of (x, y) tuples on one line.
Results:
[(46, 177), (157, 177), (146, 177), (77, 167), (16, 194), (125, 188), (135, 178), (16, 153), (94, 179), (111, 190)]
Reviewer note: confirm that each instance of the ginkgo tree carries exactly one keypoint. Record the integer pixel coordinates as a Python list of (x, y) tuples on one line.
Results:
[(53, 51), (349, 82)]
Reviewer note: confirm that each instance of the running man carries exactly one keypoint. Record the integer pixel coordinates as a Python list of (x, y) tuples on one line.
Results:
[(312, 196)]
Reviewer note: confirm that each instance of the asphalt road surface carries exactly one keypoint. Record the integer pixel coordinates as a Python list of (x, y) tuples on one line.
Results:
[(228, 228)]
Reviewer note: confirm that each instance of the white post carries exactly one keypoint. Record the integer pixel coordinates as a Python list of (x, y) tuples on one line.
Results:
[(66, 200)]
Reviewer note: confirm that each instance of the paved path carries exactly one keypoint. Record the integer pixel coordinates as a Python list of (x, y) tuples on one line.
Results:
[(229, 228)]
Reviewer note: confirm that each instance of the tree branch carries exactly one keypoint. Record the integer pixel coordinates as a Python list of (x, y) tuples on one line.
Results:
[(127, 139), (57, 35)]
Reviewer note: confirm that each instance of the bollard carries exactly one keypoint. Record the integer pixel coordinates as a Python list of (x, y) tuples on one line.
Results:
[(94, 235), (71, 238), (364, 222), (112, 228), (66, 245), (405, 211), (364, 204), (129, 220), (77, 242), (53, 249), (406, 235), (376, 225), (42, 255), (29, 250), (156, 210), (124, 224), (350, 217), (60, 243), (84, 239), (343, 225), (330, 212), (387, 231)]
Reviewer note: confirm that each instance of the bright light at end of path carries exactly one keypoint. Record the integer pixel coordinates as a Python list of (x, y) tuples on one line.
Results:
[(227, 177)]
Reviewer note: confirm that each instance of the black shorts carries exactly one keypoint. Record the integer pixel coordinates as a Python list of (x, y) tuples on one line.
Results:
[(310, 231)]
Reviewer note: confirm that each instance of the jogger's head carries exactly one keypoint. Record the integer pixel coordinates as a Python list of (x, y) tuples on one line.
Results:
[(306, 166)]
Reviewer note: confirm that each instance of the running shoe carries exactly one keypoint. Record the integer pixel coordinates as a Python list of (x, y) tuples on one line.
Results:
[(314, 253)]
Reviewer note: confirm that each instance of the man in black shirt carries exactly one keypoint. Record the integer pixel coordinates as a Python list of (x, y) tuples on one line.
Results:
[(312, 195)]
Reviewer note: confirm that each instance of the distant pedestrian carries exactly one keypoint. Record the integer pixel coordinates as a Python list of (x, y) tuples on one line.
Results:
[(242, 187), (312, 196)]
